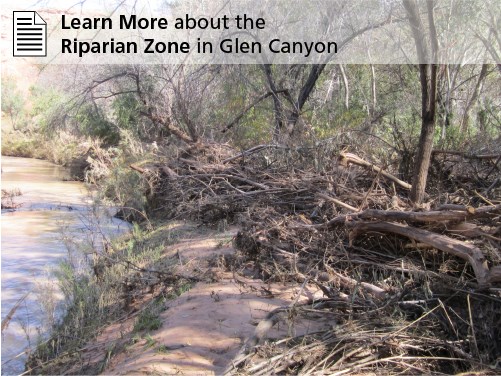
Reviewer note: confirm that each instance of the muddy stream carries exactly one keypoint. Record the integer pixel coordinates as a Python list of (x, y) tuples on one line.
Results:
[(52, 213)]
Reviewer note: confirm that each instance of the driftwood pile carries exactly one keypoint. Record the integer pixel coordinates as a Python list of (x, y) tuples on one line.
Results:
[(411, 289)]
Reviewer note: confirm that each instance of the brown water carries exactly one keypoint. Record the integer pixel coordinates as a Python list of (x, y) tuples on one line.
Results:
[(53, 214)]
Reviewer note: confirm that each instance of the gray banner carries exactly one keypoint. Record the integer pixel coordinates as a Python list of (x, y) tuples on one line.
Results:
[(275, 32)]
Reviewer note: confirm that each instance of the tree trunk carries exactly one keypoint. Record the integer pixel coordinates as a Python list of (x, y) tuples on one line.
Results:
[(372, 110), (346, 87), (278, 109), (428, 78), (422, 162), (465, 122), (304, 94)]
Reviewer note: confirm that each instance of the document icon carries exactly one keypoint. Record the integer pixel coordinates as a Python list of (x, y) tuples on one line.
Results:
[(30, 34)]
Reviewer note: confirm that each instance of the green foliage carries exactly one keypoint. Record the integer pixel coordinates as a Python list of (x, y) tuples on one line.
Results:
[(48, 110), (126, 111), (12, 100), (488, 119), (162, 349), (185, 287), (117, 182), (253, 128), (94, 296), (92, 122), (148, 321), (16, 144), (39, 139), (53, 111), (149, 318), (125, 188), (150, 342), (44, 100), (180, 290)]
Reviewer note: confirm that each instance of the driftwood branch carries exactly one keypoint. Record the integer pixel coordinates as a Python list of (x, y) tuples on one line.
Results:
[(454, 247), (337, 202), (347, 158), (351, 283), (176, 131), (169, 172), (431, 216), (459, 214)]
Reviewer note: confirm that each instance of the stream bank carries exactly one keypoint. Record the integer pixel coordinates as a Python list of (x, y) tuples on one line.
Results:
[(188, 304)]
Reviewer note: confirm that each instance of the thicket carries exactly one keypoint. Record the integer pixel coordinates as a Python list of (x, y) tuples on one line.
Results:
[(140, 114)]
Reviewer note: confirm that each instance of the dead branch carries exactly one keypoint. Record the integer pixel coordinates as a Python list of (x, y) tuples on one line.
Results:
[(455, 247), (412, 216), (176, 131), (137, 168), (350, 282), (169, 172), (337, 202), (347, 158), (228, 176)]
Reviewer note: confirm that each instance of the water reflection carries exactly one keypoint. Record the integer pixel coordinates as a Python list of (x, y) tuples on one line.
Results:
[(32, 242)]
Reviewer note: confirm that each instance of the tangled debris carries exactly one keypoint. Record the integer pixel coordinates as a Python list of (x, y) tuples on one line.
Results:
[(409, 290), (8, 199)]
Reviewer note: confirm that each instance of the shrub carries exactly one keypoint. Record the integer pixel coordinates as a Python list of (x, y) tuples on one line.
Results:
[(12, 101)]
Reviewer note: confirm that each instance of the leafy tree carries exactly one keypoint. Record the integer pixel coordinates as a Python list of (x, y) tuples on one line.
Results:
[(12, 101), (91, 121)]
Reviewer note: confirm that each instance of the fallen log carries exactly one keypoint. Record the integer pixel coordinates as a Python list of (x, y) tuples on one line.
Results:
[(431, 216), (412, 216), (347, 158), (454, 247), (471, 230)]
